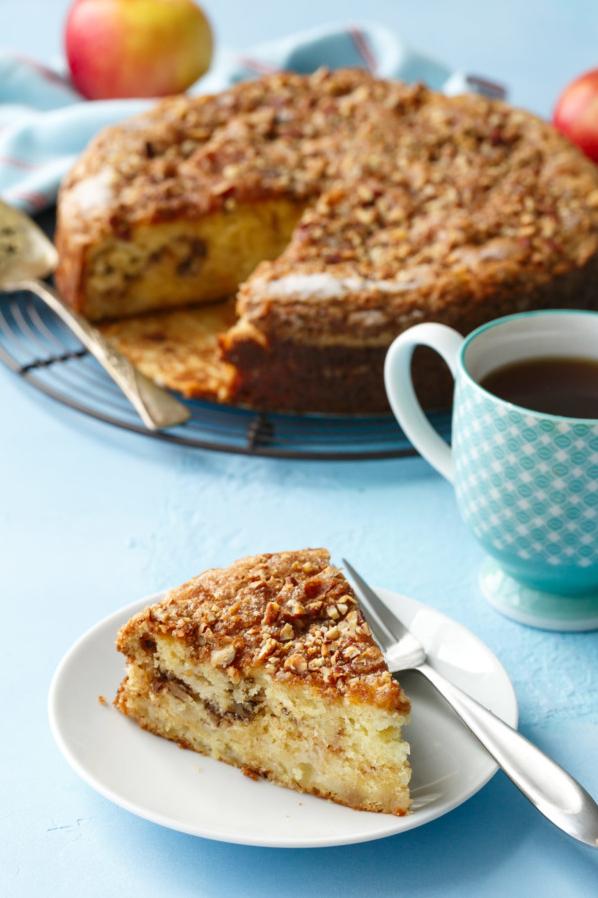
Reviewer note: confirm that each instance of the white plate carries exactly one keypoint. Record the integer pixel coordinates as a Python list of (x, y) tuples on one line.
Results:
[(153, 778)]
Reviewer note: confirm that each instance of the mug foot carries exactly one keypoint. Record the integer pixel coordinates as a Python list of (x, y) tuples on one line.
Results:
[(534, 607)]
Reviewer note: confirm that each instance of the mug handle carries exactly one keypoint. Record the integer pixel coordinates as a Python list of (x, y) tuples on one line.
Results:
[(401, 395)]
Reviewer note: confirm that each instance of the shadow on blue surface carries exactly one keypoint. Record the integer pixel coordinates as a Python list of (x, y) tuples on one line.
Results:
[(454, 854)]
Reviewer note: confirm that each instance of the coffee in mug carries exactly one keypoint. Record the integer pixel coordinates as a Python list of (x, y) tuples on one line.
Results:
[(524, 456)]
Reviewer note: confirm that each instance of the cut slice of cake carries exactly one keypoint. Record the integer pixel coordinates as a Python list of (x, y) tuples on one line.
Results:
[(270, 666), (178, 348)]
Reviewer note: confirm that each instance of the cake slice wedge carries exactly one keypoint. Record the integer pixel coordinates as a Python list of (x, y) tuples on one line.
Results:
[(178, 348), (270, 666)]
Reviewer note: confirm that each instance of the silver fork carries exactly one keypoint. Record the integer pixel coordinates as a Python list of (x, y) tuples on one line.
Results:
[(549, 788), (27, 256)]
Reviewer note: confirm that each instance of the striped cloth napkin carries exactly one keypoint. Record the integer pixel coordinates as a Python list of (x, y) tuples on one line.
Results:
[(45, 123)]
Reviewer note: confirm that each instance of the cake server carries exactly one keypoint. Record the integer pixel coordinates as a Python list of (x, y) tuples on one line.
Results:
[(549, 788), (27, 256)]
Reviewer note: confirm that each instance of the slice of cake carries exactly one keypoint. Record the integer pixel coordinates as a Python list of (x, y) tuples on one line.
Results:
[(178, 348), (270, 666)]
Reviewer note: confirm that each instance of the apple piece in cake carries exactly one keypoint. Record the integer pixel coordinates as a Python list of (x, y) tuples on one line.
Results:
[(270, 666)]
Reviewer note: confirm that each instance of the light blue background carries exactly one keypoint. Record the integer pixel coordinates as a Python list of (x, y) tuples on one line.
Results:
[(91, 519)]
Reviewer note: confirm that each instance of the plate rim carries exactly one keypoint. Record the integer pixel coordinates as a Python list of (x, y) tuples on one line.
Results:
[(403, 824)]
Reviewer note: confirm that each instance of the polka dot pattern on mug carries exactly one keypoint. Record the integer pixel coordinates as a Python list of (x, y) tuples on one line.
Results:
[(527, 485)]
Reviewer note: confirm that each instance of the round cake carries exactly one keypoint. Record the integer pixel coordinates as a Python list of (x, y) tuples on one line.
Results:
[(339, 209)]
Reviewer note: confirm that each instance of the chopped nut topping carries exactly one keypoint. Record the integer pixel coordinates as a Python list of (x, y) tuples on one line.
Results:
[(296, 663), (266, 649), (272, 612), (287, 633), (352, 619), (224, 656), (297, 609)]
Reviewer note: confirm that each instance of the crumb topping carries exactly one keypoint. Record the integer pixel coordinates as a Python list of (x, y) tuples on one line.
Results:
[(291, 612), (397, 179)]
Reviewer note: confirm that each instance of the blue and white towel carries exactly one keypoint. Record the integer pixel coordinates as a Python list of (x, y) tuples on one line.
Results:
[(45, 123)]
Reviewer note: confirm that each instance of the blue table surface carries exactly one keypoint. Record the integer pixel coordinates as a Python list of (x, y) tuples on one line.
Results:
[(91, 519)]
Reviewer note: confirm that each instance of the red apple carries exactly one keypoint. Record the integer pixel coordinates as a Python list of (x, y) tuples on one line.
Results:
[(576, 113), (136, 48)]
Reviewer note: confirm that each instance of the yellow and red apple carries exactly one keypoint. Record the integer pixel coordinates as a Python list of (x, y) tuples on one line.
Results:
[(576, 113), (136, 48)]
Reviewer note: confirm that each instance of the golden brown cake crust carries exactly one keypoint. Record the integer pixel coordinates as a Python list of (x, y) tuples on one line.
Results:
[(291, 612)]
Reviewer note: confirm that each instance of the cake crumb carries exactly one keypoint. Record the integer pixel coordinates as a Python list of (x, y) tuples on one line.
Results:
[(103, 700)]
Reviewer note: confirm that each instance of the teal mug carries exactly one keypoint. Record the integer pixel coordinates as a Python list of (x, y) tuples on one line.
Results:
[(526, 482)]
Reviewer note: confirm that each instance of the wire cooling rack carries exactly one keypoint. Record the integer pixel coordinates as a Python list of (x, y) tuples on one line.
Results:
[(40, 350)]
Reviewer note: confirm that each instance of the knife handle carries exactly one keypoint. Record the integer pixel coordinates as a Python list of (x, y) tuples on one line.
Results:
[(550, 788)]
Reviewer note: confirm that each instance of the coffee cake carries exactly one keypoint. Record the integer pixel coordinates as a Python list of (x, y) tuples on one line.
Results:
[(179, 348), (369, 205), (270, 666)]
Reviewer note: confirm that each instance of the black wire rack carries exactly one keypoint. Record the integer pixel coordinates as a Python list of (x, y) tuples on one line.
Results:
[(37, 347)]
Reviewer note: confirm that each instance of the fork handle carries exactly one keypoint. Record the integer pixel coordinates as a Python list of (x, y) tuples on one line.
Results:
[(550, 788), (155, 406)]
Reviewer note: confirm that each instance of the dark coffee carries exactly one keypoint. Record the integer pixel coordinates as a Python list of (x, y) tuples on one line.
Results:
[(552, 385)]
